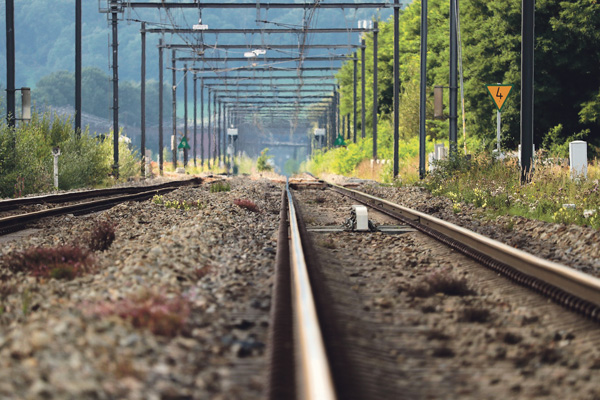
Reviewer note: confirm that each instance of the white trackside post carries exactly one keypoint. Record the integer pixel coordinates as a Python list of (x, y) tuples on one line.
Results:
[(498, 116), (578, 159), (56, 153)]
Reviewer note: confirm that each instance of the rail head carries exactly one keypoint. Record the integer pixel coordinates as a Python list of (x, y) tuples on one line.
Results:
[(19, 221), (317, 382), (8, 204), (577, 283)]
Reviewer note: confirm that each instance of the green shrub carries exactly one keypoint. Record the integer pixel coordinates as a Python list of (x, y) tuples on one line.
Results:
[(220, 187), (84, 161), (262, 164), (26, 161), (176, 204)]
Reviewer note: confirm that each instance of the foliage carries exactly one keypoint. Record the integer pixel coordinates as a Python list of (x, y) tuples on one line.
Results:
[(154, 311), (176, 204), (220, 187), (567, 87), (245, 164), (102, 236), (247, 204), (494, 186), (64, 262), (291, 167), (351, 160), (26, 162), (56, 89), (262, 163), (556, 145), (339, 160)]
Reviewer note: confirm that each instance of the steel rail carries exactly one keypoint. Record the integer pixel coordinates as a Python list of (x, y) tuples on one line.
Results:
[(317, 382), (281, 383), (10, 204), (567, 286), (17, 222)]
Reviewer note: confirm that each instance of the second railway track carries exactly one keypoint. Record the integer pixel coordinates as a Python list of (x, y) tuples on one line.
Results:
[(78, 202)]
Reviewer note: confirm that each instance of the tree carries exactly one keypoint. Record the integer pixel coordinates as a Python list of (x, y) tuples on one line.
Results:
[(567, 82), (58, 90)]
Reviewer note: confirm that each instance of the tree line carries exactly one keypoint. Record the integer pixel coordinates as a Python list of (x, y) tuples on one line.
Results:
[(567, 71), (57, 89)]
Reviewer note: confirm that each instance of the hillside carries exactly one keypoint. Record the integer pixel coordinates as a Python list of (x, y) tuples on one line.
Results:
[(45, 35)]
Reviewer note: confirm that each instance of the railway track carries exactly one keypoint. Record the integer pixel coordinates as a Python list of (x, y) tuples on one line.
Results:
[(385, 332), (572, 289), (108, 198), (363, 337)]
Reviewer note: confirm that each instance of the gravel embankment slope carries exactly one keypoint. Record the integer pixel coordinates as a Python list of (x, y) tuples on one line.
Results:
[(59, 339), (496, 340), (571, 245)]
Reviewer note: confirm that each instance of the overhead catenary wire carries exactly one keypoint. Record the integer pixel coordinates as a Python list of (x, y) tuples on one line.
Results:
[(170, 21)]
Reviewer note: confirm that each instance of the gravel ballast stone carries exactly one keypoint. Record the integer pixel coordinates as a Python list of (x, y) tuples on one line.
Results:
[(65, 339)]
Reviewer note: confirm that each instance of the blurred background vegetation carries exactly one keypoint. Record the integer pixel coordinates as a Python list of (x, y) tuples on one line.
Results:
[(27, 164), (567, 80)]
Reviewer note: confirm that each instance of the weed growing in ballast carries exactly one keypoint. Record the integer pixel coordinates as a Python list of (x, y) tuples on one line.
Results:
[(161, 315), (176, 204), (220, 187), (247, 204), (64, 262), (102, 236)]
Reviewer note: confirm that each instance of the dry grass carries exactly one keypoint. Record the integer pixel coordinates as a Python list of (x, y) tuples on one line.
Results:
[(365, 171), (64, 262), (102, 236), (149, 310), (247, 204)]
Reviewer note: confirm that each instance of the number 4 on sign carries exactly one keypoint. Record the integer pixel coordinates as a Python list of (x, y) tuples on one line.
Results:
[(499, 94)]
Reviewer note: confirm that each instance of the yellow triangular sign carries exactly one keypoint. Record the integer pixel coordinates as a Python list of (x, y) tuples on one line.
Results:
[(499, 94)]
